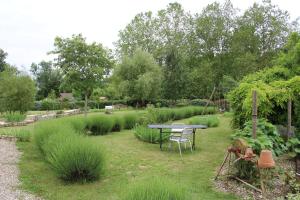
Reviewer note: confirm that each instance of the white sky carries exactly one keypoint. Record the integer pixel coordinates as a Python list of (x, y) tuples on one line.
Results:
[(28, 27)]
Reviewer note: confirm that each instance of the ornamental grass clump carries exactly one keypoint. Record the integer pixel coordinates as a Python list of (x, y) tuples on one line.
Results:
[(118, 123), (14, 117), (74, 158), (100, 124), (209, 121), (149, 135), (130, 120), (156, 189)]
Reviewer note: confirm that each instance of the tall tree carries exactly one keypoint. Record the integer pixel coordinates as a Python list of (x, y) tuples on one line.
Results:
[(83, 65), (260, 34), (139, 77), (47, 77), (2, 60)]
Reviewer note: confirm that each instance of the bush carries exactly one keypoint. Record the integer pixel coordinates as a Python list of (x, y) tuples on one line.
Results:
[(267, 137), (99, 124), (23, 135), (130, 121), (14, 117), (156, 189), (209, 121), (149, 135), (118, 123), (50, 104), (43, 130), (74, 158), (201, 102)]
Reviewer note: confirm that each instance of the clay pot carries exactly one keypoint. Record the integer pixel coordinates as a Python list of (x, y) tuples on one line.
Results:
[(249, 154), (266, 159)]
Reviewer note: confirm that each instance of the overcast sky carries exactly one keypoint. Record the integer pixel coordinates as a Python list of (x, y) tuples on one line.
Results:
[(28, 27)]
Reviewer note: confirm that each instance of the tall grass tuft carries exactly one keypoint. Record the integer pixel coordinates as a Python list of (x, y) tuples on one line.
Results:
[(209, 121), (156, 189), (149, 135), (14, 117), (100, 124), (74, 158), (130, 120), (118, 123)]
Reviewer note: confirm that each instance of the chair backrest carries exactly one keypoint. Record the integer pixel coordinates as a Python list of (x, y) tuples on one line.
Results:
[(177, 130), (187, 133)]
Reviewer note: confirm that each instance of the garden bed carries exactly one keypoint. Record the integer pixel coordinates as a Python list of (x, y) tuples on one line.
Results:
[(278, 188)]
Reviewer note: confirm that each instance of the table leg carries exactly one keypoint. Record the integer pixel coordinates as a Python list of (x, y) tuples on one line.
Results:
[(194, 137), (160, 138)]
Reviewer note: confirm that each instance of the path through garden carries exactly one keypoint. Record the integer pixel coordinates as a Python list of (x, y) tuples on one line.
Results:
[(9, 172)]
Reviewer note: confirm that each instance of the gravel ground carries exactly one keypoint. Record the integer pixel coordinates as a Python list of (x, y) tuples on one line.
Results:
[(9, 183)]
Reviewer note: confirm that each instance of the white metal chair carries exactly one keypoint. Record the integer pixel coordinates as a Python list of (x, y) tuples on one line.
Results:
[(185, 136)]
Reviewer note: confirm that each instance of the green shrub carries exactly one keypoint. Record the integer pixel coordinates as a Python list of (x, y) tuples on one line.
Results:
[(14, 117), (118, 123), (74, 158), (209, 121), (156, 189), (99, 124), (149, 135), (23, 135), (267, 137), (50, 104), (130, 120), (43, 130)]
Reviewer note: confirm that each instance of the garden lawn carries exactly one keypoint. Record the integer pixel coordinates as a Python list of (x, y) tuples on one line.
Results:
[(130, 160)]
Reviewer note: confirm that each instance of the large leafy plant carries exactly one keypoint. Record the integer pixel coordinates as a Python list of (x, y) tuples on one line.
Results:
[(267, 137)]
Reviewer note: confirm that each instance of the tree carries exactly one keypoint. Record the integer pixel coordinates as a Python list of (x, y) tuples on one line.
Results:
[(47, 78), (260, 34), (17, 91), (83, 65), (2, 60), (139, 77)]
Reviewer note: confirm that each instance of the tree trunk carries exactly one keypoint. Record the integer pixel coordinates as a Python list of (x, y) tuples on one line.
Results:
[(85, 104)]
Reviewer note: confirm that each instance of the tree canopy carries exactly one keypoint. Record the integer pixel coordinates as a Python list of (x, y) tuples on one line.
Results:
[(83, 65)]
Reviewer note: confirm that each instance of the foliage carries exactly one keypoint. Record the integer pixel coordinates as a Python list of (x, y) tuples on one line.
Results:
[(146, 134), (156, 189), (161, 115), (274, 86), (200, 49), (139, 77), (209, 121), (130, 120), (17, 91), (47, 79), (74, 158), (83, 65), (293, 145), (14, 117), (3, 55), (100, 124), (246, 170), (267, 137)]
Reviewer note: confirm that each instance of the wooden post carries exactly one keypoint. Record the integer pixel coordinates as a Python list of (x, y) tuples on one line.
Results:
[(254, 113), (289, 125)]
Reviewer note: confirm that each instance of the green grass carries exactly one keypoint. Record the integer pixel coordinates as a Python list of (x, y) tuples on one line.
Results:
[(129, 161), (209, 121)]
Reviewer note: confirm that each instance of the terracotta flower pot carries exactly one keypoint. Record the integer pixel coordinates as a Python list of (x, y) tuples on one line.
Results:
[(249, 154), (266, 159)]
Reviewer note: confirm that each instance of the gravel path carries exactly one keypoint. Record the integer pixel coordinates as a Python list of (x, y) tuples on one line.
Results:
[(9, 183)]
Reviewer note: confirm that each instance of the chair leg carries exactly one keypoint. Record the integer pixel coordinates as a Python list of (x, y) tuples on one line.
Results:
[(191, 146), (179, 149)]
